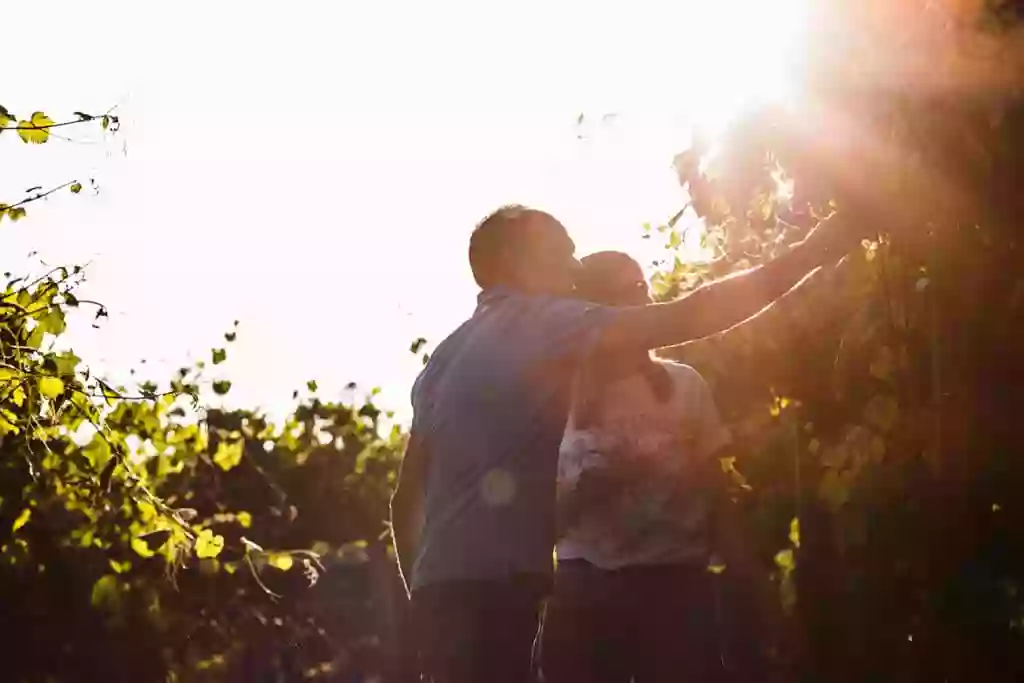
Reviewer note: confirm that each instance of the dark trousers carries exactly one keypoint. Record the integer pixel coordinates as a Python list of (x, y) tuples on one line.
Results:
[(478, 631), (651, 624)]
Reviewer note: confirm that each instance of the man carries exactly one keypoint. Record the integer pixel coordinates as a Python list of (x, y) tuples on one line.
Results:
[(474, 512)]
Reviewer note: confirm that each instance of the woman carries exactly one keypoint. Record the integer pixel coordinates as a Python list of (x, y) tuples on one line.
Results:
[(633, 596)]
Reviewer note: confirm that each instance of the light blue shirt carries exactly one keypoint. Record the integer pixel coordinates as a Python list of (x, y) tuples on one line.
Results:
[(491, 406)]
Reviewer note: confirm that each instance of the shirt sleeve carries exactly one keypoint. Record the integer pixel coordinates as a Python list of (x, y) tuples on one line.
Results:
[(571, 328)]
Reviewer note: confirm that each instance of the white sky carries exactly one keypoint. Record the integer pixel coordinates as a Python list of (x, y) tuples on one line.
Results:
[(313, 169)]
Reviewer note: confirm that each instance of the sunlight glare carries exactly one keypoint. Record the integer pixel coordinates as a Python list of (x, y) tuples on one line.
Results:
[(697, 64), (746, 53)]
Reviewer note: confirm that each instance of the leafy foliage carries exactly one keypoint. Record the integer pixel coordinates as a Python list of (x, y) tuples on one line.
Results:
[(140, 517), (873, 406)]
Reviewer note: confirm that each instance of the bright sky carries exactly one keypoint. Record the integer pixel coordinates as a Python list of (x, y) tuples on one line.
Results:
[(313, 169)]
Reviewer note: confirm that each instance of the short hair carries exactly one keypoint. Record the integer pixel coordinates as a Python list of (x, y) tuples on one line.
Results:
[(491, 237), (597, 267)]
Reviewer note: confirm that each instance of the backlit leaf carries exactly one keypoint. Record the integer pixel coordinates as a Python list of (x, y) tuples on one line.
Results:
[(228, 454), (22, 520), (282, 561), (107, 474), (5, 118), (154, 540), (16, 213), (786, 560), (66, 363), (141, 548), (51, 387), (36, 130), (209, 544), (8, 420), (76, 188), (106, 592), (53, 322)]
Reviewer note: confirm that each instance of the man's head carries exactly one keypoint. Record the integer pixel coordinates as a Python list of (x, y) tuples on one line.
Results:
[(523, 249), (613, 279)]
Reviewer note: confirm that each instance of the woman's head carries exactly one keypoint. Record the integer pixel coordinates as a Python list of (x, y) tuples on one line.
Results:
[(613, 279)]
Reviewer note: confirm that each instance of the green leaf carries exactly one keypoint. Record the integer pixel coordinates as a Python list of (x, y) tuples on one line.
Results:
[(716, 566), (53, 322), (76, 188), (16, 213), (786, 560), (66, 363), (228, 455), (675, 240), (8, 421), (219, 356), (209, 544), (144, 547), (51, 387), (22, 520), (5, 118), (221, 387), (282, 561), (311, 385), (120, 567), (106, 592), (35, 130), (107, 474), (97, 451), (417, 344)]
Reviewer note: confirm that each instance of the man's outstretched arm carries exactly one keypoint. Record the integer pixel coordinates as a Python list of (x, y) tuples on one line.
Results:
[(719, 305), (407, 507)]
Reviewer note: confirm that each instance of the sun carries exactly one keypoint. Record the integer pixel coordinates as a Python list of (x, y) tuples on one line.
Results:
[(747, 52), (662, 72)]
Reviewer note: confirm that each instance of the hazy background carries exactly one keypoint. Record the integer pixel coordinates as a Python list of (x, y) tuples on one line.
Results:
[(323, 163)]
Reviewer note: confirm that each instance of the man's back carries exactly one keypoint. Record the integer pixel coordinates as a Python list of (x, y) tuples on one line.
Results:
[(491, 407)]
